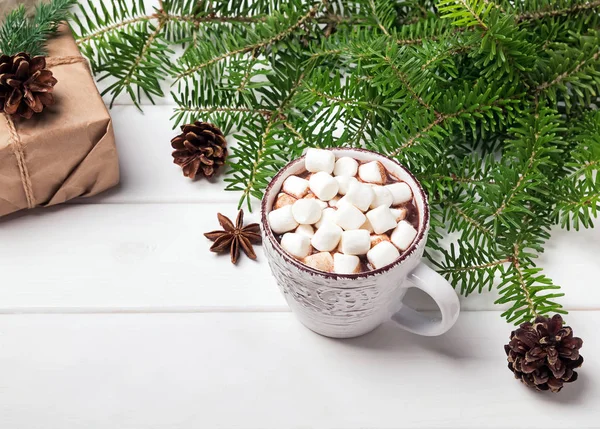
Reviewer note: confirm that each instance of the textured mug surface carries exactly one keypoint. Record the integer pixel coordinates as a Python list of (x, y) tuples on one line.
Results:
[(343, 305)]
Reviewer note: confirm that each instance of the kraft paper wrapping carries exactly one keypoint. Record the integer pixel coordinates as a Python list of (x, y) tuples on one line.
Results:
[(69, 149)]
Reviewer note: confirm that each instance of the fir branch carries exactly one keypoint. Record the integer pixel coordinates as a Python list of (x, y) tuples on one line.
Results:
[(413, 139), (118, 25), (476, 224), (248, 72), (470, 267), (166, 17), (407, 42), (359, 133), (419, 33), (475, 15), (441, 118), (578, 202), (295, 132), (493, 114), (20, 33), (376, 17), (246, 193), (198, 20), (513, 191), (545, 85), (549, 13), (217, 109), (466, 13), (255, 47), (453, 177), (586, 166), (493, 4), (403, 77), (143, 53), (343, 101), (531, 307), (272, 122), (458, 269), (450, 52), (329, 52)]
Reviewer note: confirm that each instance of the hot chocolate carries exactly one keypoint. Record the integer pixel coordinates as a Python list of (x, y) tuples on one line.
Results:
[(343, 215)]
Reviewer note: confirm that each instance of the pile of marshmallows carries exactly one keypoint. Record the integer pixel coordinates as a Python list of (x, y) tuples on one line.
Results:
[(351, 215)]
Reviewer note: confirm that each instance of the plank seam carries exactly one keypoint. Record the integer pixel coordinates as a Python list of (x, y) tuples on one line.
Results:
[(188, 310)]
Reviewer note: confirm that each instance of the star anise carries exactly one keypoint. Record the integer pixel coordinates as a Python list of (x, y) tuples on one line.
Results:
[(233, 237)]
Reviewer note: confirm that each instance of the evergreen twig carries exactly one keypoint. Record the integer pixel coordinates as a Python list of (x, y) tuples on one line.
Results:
[(22, 33), (492, 104)]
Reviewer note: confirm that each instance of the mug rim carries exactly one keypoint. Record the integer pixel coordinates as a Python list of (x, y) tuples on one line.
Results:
[(365, 274)]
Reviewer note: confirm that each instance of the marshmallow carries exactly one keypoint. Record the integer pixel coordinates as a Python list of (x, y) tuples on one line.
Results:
[(342, 201), (345, 166), (323, 185), (322, 204), (400, 214), (376, 239), (345, 264), (372, 172), (322, 261), (311, 196), (403, 235), (282, 220), (328, 214), (295, 186), (383, 197), (381, 219), (367, 225), (305, 230), (319, 160), (297, 245), (382, 254), (356, 242), (334, 201), (326, 237), (360, 195), (400, 192), (349, 217), (283, 199), (306, 211), (344, 183)]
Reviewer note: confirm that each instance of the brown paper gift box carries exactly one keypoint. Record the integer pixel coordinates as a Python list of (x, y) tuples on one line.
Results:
[(68, 149)]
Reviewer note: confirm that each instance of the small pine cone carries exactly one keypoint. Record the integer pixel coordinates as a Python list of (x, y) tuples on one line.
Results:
[(25, 85), (544, 354), (200, 149)]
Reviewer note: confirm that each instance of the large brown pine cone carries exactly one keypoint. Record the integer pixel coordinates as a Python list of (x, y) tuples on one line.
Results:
[(25, 85), (200, 149), (544, 354)]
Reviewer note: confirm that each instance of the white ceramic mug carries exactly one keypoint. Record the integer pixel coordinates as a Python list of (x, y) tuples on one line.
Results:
[(349, 305)]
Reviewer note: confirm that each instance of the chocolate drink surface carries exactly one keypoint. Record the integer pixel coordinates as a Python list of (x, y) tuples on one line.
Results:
[(344, 216)]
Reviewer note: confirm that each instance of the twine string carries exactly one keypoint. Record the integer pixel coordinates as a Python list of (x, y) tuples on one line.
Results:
[(68, 59), (18, 150)]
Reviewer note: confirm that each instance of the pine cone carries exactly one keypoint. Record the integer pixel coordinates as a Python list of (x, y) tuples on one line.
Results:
[(25, 85), (543, 354), (200, 149)]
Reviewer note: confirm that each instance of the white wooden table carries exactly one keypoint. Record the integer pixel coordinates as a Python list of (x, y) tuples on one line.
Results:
[(115, 315)]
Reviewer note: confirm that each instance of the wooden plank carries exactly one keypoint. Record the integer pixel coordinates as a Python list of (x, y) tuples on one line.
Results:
[(132, 256), (264, 370), (154, 257)]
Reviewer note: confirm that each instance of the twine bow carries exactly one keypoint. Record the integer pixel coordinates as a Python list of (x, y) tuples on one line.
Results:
[(17, 145)]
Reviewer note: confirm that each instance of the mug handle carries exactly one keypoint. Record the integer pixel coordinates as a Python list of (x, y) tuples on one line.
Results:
[(442, 292)]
